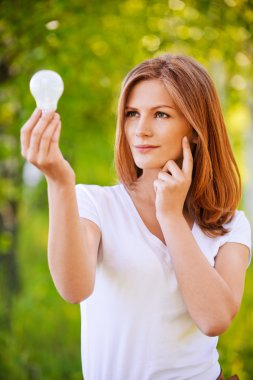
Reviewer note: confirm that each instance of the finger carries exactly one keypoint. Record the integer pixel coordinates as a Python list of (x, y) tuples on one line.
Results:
[(55, 139), (172, 169), (38, 131), (159, 185), (155, 185), (32, 120), (56, 136), (167, 179), (46, 138), (187, 158), (27, 128)]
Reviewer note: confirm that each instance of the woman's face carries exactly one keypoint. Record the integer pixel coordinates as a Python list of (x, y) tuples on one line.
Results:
[(154, 127)]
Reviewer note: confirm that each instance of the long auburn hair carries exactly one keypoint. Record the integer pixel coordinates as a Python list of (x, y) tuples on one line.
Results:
[(216, 184)]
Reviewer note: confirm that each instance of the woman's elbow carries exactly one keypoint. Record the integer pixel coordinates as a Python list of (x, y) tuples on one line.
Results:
[(213, 330), (217, 326), (77, 296)]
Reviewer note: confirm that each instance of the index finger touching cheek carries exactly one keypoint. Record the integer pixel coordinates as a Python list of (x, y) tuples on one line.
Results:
[(187, 157)]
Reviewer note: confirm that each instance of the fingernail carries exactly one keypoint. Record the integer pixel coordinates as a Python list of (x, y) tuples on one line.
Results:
[(186, 139), (47, 113)]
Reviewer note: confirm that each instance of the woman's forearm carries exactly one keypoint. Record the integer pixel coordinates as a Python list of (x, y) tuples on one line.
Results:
[(71, 264), (207, 296)]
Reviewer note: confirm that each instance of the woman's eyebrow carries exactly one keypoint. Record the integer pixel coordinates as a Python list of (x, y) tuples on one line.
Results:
[(153, 108)]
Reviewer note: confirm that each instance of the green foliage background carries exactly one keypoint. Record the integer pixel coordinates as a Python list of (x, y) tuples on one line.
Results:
[(93, 44)]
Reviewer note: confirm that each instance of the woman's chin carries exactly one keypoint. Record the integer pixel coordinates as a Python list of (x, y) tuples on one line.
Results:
[(147, 163), (156, 167)]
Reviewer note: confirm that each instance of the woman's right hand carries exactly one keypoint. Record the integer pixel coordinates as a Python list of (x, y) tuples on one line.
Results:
[(40, 146)]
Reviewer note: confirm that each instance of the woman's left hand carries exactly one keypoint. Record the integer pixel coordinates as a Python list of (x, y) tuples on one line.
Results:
[(172, 185)]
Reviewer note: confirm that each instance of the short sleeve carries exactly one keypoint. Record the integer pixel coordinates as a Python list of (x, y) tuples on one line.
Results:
[(86, 202), (240, 231)]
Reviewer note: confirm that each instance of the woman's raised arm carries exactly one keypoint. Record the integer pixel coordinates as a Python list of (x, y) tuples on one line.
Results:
[(73, 242)]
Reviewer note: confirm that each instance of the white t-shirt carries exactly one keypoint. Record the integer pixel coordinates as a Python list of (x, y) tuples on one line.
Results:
[(135, 325)]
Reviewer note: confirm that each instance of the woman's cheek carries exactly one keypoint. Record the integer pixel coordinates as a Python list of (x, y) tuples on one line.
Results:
[(174, 152)]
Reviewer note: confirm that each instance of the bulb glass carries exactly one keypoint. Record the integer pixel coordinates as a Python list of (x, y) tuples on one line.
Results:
[(46, 87)]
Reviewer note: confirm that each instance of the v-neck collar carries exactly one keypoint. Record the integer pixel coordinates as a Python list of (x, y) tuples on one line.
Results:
[(141, 223)]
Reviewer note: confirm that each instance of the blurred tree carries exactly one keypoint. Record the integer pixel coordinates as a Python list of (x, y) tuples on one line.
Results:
[(9, 179)]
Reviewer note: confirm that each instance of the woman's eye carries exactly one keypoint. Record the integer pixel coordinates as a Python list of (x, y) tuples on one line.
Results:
[(130, 113), (161, 115)]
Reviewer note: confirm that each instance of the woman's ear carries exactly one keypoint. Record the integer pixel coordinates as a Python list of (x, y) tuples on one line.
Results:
[(194, 137)]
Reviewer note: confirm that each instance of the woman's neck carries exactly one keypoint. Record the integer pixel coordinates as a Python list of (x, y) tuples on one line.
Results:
[(144, 186), (143, 190)]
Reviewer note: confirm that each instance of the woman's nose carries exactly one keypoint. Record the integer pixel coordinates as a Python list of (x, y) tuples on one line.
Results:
[(143, 127)]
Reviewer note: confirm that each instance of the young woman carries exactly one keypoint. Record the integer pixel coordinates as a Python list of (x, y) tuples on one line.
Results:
[(157, 261)]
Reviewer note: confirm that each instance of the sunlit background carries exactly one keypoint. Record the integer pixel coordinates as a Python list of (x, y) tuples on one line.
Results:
[(93, 44)]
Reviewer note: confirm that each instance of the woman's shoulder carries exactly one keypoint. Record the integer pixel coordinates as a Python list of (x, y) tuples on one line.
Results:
[(96, 201), (239, 219), (98, 193), (239, 229), (98, 189)]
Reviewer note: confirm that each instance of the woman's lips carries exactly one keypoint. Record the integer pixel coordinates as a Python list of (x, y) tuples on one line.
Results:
[(145, 148)]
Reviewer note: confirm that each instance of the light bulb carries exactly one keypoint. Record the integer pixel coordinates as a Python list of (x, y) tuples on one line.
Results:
[(46, 87)]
